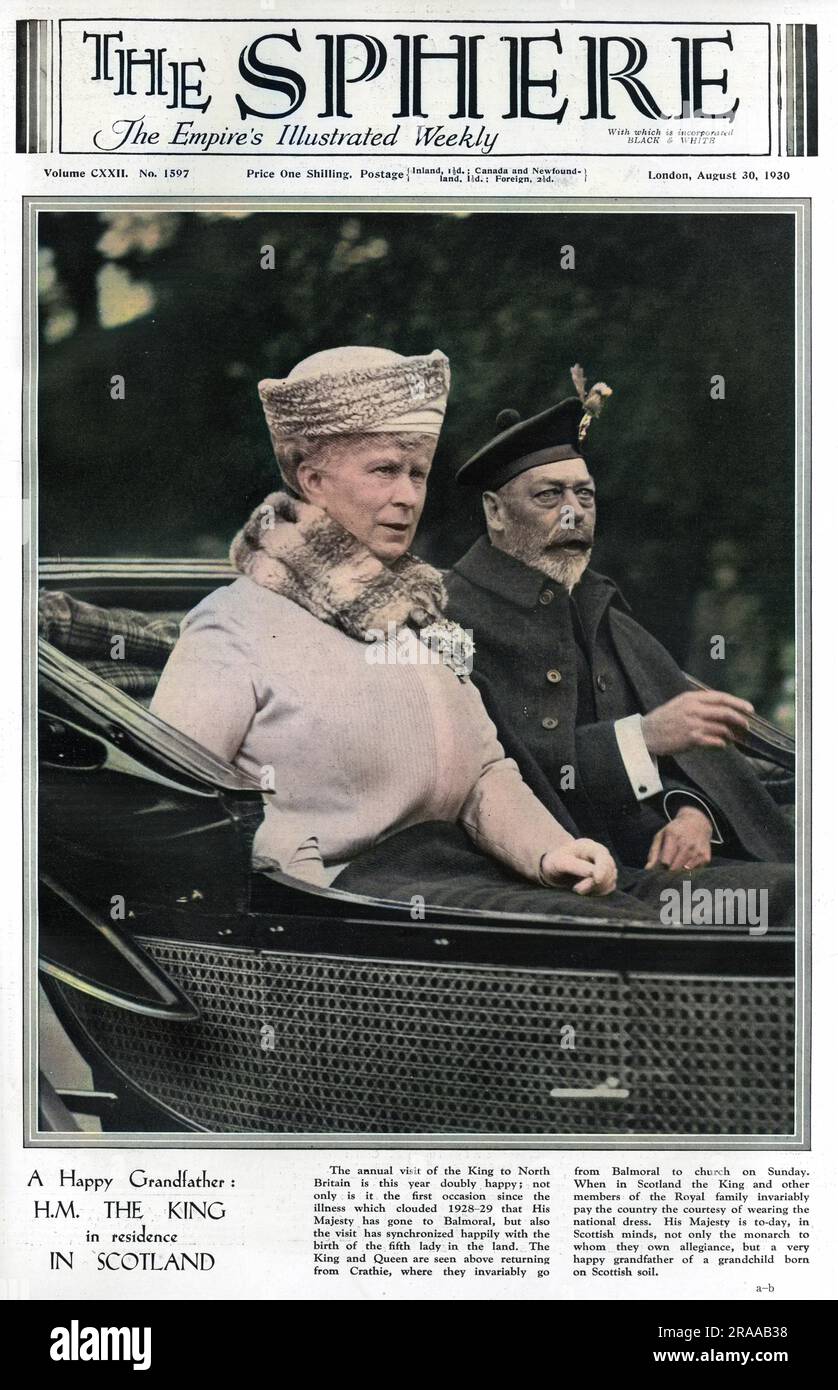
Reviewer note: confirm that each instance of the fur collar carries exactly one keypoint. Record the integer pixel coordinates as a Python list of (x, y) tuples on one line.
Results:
[(297, 550)]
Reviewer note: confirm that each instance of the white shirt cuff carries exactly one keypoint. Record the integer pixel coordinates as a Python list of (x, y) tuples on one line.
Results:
[(641, 768)]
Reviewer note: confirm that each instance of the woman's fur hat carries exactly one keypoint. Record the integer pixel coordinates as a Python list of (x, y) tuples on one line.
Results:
[(356, 390)]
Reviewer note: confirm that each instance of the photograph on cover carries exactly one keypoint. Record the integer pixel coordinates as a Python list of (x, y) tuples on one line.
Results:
[(417, 597)]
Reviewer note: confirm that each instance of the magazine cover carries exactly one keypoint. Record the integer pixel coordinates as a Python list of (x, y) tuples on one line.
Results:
[(422, 890)]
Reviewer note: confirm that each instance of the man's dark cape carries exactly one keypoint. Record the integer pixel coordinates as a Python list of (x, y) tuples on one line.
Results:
[(525, 665)]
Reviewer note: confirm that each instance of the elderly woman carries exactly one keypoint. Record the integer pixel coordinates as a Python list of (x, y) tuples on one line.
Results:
[(382, 771)]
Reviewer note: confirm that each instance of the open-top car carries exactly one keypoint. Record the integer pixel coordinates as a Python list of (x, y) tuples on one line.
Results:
[(206, 997)]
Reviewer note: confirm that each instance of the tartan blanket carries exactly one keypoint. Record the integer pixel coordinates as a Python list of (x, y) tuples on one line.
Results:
[(126, 647)]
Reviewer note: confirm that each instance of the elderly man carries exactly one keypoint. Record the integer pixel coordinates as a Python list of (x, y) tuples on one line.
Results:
[(590, 704)]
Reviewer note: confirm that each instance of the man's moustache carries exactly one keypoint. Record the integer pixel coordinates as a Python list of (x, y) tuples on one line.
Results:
[(574, 538)]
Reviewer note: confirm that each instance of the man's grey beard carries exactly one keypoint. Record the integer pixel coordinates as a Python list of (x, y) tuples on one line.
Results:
[(566, 567)]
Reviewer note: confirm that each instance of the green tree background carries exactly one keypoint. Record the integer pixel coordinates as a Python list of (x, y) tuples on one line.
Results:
[(657, 304)]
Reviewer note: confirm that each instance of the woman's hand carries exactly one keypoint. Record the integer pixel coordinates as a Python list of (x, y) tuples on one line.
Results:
[(585, 860)]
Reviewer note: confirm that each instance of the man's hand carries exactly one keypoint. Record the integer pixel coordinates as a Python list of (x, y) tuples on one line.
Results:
[(683, 844), (585, 860), (697, 719)]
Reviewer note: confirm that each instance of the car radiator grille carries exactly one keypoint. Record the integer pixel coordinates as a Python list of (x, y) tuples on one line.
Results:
[(300, 1044)]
